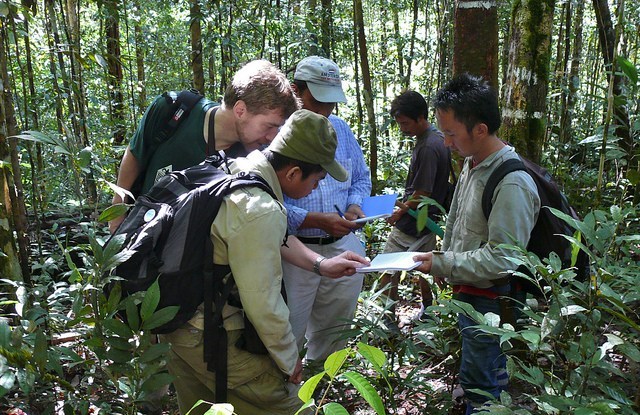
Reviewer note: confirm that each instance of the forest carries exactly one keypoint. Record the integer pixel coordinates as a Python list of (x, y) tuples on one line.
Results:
[(77, 77)]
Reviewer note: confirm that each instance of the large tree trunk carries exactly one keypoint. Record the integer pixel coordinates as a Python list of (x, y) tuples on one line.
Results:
[(10, 265), (367, 93), (525, 92), (475, 41), (196, 45), (115, 76)]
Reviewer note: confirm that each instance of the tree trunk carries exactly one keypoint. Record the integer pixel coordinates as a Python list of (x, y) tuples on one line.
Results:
[(525, 93), (326, 37), (76, 93), (141, 101), (196, 45), (10, 265), (573, 79), (475, 41), (412, 43), (114, 77), (367, 93), (31, 121), (617, 110)]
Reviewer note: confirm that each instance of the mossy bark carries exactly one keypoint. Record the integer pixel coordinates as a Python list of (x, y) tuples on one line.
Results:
[(527, 78)]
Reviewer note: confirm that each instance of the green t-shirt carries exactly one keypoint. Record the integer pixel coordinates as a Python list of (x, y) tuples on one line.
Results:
[(186, 147)]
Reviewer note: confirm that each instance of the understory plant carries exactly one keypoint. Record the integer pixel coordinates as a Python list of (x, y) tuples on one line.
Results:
[(578, 353)]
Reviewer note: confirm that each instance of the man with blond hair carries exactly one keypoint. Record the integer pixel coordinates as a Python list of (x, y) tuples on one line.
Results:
[(256, 103)]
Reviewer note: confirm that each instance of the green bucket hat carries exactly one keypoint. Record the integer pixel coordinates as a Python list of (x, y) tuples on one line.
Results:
[(309, 137)]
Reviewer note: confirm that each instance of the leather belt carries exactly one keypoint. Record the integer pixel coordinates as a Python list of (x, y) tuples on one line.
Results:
[(321, 240)]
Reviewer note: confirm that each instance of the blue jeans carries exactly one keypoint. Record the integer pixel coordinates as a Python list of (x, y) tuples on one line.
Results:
[(483, 365)]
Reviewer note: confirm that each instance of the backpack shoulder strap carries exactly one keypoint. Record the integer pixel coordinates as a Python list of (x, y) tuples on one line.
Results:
[(496, 177), (180, 108)]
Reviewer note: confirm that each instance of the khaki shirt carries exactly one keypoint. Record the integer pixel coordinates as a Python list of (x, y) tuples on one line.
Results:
[(247, 234), (470, 254)]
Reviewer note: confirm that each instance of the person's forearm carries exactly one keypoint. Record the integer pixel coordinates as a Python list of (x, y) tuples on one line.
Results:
[(127, 174)]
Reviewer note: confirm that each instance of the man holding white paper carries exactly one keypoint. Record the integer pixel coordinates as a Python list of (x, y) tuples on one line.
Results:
[(323, 221), (428, 176)]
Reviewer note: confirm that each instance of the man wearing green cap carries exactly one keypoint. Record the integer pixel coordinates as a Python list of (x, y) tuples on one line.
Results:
[(247, 235)]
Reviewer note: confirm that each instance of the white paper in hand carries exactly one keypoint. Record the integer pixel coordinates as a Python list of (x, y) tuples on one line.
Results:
[(395, 261)]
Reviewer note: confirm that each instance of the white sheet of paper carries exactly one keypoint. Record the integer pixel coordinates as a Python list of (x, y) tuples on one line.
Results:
[(395, 261)]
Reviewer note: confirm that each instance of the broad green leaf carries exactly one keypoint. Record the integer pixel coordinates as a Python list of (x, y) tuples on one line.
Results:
[(366, 391), (118, 327), (119, 356), (306, 405), (374, 355), (7, 380), (306, 391), (157, 381), (26, 379), (629, 69), (335, 361), (571, 309), (5, 334), (160, 317), (40, 349), (584, 411), (133, 315), (220, 409), (150, 301), (154, 352), (112, 212), (333, 408)]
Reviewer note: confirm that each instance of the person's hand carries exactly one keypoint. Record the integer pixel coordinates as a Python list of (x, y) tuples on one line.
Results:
[(335, 225), (426, 259), (395, 216), (296, 376), (342, 265), (114, 223), (441, 282)]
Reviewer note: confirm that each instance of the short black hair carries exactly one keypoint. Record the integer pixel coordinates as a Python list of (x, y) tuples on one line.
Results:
[(279, 162), (410, 104), (472, 100)]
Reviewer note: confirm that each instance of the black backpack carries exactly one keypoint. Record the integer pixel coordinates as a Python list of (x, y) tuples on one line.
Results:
[(167, 236), (546, 235), (179, 107)]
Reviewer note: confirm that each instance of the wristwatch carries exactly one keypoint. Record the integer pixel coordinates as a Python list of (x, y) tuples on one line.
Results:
[(316, 264)]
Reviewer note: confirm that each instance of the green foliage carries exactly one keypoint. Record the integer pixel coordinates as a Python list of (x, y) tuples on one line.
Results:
[(333, 369), (575, 353)]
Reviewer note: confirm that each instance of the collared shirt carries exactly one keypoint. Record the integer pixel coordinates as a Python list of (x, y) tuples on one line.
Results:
[(471, 254), (247, 234), (331, 192)]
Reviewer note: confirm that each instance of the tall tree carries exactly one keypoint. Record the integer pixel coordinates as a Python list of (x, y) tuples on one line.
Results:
[(475, 40), (114, 60), (525, 92), (608, 36), (10, 265), (196, 45), (367, 92), (573, 78)]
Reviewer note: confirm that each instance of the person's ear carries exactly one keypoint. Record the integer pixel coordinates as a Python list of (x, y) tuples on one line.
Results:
[(239, 108), (292, 173), (481, 129)]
